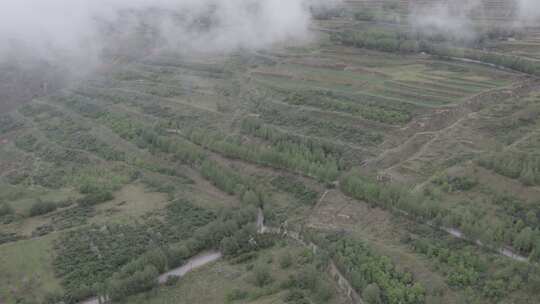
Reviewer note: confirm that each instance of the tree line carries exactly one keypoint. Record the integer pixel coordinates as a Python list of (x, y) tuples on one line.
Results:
[(507, 231), (464, 268), (398, 42), (368, 111), (308, 158), (372, 275), (517, 165)]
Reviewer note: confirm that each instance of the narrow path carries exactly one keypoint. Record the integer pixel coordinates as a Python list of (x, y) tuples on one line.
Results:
[(504, 251), (260, 221), (522, 139), (469, 113), (507, 252), (492, 65), (193, 263)]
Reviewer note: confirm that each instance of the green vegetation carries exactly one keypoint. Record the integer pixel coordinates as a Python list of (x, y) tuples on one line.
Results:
[(327, 100), (89, 255), (427, 159), (92, 254), (296, 188), (40, 207), (5, 209), (508, 230), (517, 165), (8, 123), (385, 41), (301, 119), (394, 41), (368, 272), (310, 160), (137, 276), (61, 128), (222, 177), (89, 263), (463, 267), (92, 199), (256, 280), (27, 264)]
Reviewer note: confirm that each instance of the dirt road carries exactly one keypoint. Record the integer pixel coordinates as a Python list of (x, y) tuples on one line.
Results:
[(193, 263)]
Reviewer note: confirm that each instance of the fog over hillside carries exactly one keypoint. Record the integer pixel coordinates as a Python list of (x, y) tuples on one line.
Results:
[(452, 18), (455, 18), (75, 29), (529, 11), (55, 40)]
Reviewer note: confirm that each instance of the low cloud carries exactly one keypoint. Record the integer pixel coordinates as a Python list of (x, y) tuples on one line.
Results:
[(79, 32), (528, 11), (451, 19)]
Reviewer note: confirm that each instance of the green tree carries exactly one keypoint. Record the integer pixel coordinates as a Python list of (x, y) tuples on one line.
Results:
[(409, 46), (364, 15), (494, 288), (230, 246), (40, 207), (250, 198), (285, 261), (530, 217), (527, 175), (372, 294), (262, 276), (416, 294), (535, 253), (524, 240), (5, 209)]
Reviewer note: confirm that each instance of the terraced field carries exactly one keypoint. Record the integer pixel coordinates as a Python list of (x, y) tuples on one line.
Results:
[(415, 176)]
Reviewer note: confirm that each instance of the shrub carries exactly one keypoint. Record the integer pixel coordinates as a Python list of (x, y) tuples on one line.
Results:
[(8, 237), (361, 265), (296, 296), (244, 258), (5, 209), (296, 188), (140, 281), (172, 280), (324, 292), (372, 294), (176, 256), (262, 276), (8, 123), (236, 295), (390, 5), (308, 279), (53, 297), (364, 15), (93, 199), (40, 207), (285, 261)]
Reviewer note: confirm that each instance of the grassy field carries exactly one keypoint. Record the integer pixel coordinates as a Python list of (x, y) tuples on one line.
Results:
[(27, 270)]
